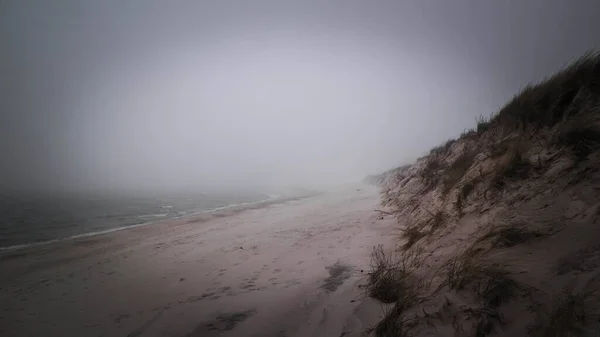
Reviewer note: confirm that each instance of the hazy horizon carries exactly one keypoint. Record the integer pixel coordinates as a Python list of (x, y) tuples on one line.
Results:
[(190, 95)]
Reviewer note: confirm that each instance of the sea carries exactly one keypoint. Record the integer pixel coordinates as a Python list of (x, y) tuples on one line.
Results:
[(32, 220)]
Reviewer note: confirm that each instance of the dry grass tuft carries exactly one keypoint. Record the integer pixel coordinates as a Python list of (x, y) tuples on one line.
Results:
[(468, 187), (511, 166), (469, 134), (411, 235), (572, 314), (497, 288), (491, 282), (582, 137), (459, 203), (486, 321), (509, 235), (553, 100), (429, 172), (394, 324), (391, 278), (436, 221), (472, 267), (560, 113), (454, 173), (442, 150), (483, 124)]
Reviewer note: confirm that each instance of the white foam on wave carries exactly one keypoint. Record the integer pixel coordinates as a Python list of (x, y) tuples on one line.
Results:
[(116, 229)]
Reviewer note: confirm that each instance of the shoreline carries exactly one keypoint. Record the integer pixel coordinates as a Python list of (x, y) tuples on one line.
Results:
[(242, 206), (294, 269)]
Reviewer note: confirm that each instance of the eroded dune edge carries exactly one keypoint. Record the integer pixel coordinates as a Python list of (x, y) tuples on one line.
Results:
[(499, 228)]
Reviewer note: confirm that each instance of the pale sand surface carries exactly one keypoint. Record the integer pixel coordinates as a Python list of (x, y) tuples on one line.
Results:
[(287, 269)]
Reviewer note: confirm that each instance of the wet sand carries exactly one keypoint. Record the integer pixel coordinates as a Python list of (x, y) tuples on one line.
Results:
[(286, 269)]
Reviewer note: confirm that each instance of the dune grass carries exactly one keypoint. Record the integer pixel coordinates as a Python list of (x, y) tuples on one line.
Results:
[(394, 323), (392, 280), (510, 235), (512, 166), (455, 172), (412, 234), (574, 313), (391, 277), (557, 116), (437, 220), (554, 99), (581, 136), (469, 267)]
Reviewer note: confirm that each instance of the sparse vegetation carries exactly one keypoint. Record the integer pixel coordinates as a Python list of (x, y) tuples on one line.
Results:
[(412, 234), (509, 155), (470, 133), (392, 280), (500, 148), (509, 235), (581, 137), (429, 171), (491, 282), (391, 277), (436, 221), (483, 124), (572, 314), (471, 267), (467, 188), (458, 205), (496, 288), (557, 98), (394, 324), (460, 166), (485, 320), (443, 149), (512, 166)]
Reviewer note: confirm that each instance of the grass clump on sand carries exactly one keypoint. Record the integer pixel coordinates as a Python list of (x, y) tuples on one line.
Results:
[(544, 122), (492, 284), (575, 313), (429, 172), (509, 235), (391, 278), (454, 173), (437, 220), (563, 95), (444, 149), (492, 281), (412, 234), (582, 137), (394, 324), (513, 165)]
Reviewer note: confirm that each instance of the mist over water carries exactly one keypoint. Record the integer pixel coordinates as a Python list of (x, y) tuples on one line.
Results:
[(148, 98), (190, 95), (30, 220)]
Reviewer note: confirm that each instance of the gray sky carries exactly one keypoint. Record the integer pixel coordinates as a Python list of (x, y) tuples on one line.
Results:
[(155, 94)]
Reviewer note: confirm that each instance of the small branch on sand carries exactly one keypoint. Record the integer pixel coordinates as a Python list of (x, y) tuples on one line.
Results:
[(384, 212)]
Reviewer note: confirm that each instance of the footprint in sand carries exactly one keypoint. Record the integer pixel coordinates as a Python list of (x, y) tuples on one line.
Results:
[(210, 296), (121, 317), (223, 322)]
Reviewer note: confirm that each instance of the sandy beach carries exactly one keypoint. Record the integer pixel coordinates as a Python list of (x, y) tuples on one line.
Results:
[(285, 269)]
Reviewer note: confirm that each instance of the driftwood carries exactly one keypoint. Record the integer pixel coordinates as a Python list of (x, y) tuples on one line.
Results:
[(384, 212)]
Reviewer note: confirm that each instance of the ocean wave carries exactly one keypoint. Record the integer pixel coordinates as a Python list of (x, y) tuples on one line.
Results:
[(120, 228)]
